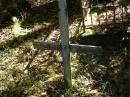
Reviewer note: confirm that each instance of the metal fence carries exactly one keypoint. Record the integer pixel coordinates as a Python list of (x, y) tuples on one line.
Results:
[(105, 12)]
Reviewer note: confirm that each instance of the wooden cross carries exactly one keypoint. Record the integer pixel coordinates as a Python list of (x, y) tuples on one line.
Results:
[(65, 46)]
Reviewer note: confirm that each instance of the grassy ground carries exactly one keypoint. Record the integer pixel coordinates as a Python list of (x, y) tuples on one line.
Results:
[(28, 72)]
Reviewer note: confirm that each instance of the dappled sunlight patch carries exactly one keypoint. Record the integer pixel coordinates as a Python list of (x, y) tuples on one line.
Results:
[(38, 26), (9, 58), (84, 86), (14, 31), (83, 80), (74, 28), (87, 32), (54, 36), (18, 30), (5, 35), (91, 19), (37, 3), (115, 61), (17, 58), (53, 78)]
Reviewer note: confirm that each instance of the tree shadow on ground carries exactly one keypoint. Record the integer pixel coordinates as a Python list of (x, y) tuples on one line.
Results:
[(44, 13), (20, 88), (47, 13), (113, 66), (38, 78), (30, 36)]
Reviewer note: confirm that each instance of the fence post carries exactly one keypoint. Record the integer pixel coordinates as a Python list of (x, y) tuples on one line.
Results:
[(63, 21)]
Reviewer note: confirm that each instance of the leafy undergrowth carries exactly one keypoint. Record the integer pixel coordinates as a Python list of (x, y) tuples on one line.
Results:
[(111, 70), (26, 71)]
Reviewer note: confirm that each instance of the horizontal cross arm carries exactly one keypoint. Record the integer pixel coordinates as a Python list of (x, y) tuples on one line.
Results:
[(48, 46), (89, 49)]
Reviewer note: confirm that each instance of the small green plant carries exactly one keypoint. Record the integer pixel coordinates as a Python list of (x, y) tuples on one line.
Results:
[(16, 28)]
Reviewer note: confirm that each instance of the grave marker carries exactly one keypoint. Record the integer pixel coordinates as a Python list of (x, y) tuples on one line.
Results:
[(65, 46)]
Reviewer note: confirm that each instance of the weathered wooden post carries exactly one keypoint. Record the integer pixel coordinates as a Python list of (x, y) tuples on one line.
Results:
[(65, 46), (63, 21)]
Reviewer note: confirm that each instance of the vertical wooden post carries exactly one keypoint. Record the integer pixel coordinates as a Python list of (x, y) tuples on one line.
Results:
[(63, 21)]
